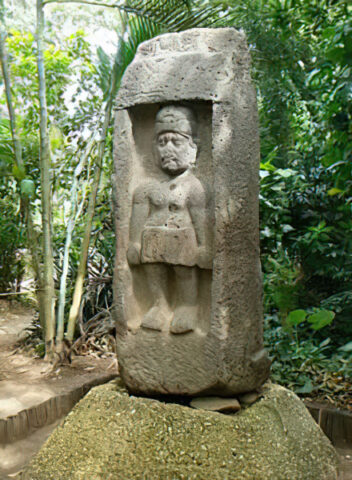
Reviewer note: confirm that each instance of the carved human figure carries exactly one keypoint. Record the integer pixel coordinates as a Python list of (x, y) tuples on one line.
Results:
[(169, 229)]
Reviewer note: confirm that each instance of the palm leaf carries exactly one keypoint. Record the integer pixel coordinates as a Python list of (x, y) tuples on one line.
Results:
[(174, 15)]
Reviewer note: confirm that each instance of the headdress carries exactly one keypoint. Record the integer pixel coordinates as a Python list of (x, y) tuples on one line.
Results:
[(175, 118)]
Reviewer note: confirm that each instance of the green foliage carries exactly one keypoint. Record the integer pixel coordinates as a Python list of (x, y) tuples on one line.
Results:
[(303, 72), (11, 243), (68, 63), (303, 362), (11, 227), (346, 348), (302, 68), (6, 148), (27, 188), (79, 81), (320, 319), (296, 317), (301, 53), (317, 320)]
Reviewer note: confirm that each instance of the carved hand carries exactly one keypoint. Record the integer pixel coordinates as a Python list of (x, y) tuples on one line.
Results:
[(204, 258), (134, 254)]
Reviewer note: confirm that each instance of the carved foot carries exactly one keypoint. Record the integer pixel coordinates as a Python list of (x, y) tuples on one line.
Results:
[(154, 319), (184, 320)]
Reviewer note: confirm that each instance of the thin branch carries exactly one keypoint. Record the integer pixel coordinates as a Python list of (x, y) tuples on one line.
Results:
[(18, 293), (94, 3), (85, 2)]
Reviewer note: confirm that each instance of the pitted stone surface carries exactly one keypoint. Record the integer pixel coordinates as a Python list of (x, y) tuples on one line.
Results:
[(187, 280), (111, 435)]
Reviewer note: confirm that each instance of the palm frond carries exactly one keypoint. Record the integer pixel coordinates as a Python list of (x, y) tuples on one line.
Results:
[(174, 15)]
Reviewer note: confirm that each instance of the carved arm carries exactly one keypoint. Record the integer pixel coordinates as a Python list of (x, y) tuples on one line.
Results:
[(200, 216), (140, 211)]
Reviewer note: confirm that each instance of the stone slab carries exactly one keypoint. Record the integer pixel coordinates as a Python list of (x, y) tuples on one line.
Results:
[(216, 404)]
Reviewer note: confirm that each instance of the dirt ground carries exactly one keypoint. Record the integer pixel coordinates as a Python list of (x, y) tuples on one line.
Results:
[(27, 380), (17, 364)]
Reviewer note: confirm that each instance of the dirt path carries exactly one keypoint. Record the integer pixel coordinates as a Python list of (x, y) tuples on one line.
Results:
[(19, 367), (14, 319), (33, 397)]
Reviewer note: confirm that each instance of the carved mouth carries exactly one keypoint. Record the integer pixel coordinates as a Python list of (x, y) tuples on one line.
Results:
[(167, 160)]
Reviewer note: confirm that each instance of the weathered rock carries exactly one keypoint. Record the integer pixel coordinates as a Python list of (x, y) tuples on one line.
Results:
[(111, 435), (216, 404), (249, 398), (187, 282)]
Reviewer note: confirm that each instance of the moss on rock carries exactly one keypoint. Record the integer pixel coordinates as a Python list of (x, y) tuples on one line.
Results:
[(112, 435)]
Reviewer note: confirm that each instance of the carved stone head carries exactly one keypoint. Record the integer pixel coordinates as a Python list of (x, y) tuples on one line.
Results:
[(174, 146)]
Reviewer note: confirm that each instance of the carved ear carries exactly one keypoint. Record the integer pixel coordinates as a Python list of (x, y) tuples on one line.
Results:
[(195, 142)]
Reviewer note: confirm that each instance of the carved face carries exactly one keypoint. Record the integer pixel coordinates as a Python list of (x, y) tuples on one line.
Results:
[(176, 152)]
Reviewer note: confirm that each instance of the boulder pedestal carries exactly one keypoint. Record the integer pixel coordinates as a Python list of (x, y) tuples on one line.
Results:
[(112, 435)]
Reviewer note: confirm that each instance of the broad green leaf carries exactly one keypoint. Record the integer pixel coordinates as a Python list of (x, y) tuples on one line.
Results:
[(287, 172), (325, 342), (267, 166), (56, 138), (18, 172), (334, 191), (346, 348), (28, 188), (296, 317), (321, 319), (308, 387)]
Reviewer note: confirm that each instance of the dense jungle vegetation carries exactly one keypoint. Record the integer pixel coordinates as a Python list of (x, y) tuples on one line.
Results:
[(59, 78)]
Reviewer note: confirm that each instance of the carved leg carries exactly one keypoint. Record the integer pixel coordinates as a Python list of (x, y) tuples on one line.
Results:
[(185, 316), (156, 317)]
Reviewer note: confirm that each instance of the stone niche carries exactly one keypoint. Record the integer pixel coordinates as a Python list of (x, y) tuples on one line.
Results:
[(187, 281)]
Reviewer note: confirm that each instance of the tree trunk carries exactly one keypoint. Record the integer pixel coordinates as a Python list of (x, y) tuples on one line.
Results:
[(48, 264)]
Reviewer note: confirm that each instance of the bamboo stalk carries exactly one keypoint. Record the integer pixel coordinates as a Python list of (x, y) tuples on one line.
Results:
[(81, 271)]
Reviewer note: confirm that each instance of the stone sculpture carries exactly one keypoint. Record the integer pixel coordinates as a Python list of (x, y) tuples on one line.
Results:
[(187, 280)]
